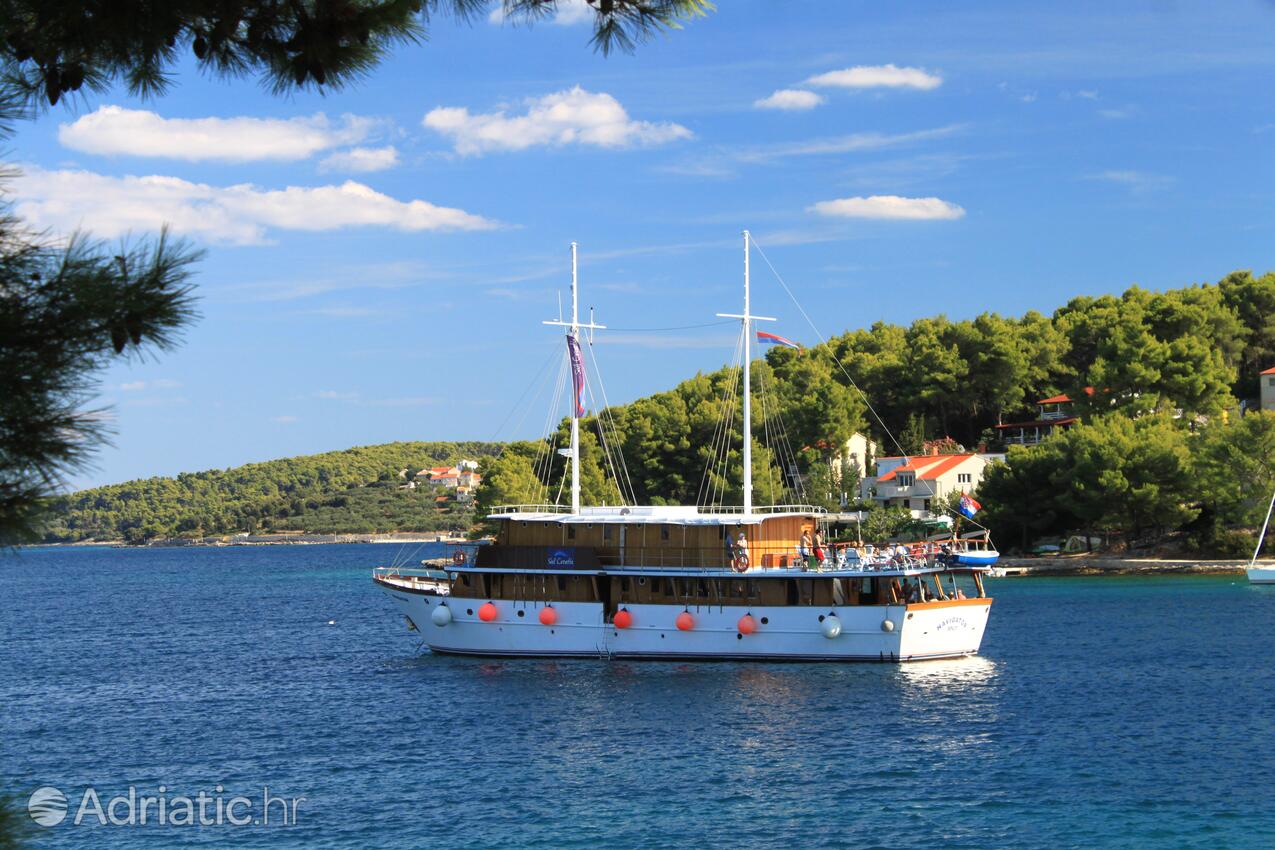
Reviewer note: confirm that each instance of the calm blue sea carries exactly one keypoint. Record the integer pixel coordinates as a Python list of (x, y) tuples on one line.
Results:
[(1105, 712)]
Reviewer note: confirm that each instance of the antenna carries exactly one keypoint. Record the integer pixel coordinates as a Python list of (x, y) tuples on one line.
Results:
[(577, 373), (747, 318)]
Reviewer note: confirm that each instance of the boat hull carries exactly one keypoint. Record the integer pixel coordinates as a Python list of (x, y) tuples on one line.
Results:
[(918, 631), (977, 558), (1261, 575)]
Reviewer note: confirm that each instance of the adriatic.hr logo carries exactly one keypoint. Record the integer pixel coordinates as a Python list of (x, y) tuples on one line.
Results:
[(562, 558), (47, 806)]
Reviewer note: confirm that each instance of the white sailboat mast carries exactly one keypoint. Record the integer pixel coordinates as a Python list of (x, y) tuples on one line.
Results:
[(747, 319), (1261, 538), (575, 417), (573, 332)]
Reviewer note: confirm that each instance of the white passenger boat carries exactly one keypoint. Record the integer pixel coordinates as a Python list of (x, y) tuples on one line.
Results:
[(694, 582), (1264, 574)]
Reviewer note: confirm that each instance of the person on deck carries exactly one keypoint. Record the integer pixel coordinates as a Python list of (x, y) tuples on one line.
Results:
[(741, 551), (818, 547), (804, 546)]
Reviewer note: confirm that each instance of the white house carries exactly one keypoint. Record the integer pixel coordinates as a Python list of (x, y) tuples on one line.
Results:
[(917, 482), (859, 451), (1267, 379)]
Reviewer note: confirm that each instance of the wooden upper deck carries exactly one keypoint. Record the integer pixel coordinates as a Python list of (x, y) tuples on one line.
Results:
[(649, 536)]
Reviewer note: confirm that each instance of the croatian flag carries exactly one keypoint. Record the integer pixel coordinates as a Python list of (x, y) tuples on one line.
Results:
[(577, 373), (969, 507), (764, 338)]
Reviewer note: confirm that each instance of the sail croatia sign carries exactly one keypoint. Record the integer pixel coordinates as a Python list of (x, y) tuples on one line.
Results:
[(562, 558)]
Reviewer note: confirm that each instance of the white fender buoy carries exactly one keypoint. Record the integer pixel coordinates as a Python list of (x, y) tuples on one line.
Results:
[(887, 625), (831, 627), (442, 615)]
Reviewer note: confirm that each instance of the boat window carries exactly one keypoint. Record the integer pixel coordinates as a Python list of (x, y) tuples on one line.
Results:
[(562, 584), (664, 532), (624, 584), (571, 532), (464, 579), (606, 532), (655, 586)]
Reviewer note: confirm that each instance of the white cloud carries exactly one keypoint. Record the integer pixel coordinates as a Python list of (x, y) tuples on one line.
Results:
[(1087, 95), (890, 207), (1137, 181), (158, 384), (790, 99), (843, 144), (283, 420), (877, 76), (569, 13), (113, 206), (1117, 114), (410, 401), (572, 12), (361, 159), (572, 116), (113, 130)]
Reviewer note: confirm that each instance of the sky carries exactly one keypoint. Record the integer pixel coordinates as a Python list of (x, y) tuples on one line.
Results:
[(379, 259)]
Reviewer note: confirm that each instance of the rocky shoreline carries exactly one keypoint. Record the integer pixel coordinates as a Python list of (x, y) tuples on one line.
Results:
[(1113, 565), (272, 540)]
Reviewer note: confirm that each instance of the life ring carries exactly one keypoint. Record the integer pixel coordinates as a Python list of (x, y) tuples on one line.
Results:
[(458, 557), (740, 565)]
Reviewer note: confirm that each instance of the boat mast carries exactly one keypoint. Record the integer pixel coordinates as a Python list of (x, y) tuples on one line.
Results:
[(1261, 538), (747, 319), (573, 335)]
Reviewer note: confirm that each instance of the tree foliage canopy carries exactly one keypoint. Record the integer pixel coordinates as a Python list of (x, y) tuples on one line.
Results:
[(356, 490), (51, 48)]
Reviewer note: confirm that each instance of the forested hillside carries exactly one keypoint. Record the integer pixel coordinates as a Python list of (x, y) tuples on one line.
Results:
[(1178, 362), (1162, 449), (358, 490)]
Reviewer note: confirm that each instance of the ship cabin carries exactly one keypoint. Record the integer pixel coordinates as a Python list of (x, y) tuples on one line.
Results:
[(682, 556)]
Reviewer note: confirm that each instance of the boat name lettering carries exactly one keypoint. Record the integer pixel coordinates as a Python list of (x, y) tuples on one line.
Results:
[(952, 624), (562, 558)]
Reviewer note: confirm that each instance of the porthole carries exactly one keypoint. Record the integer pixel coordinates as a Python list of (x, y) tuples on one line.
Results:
[(521, 613), (469, 611), (641, 581), (739, 637), (765, 621), (821, 618)]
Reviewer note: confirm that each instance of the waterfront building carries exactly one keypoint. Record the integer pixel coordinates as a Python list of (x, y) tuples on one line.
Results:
[(1055, 413), (1267, 379), (918, 482)]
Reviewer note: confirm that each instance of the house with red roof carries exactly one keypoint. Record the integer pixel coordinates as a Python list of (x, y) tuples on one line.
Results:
[(1267, 379), (917, 482), (1052, 414)]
